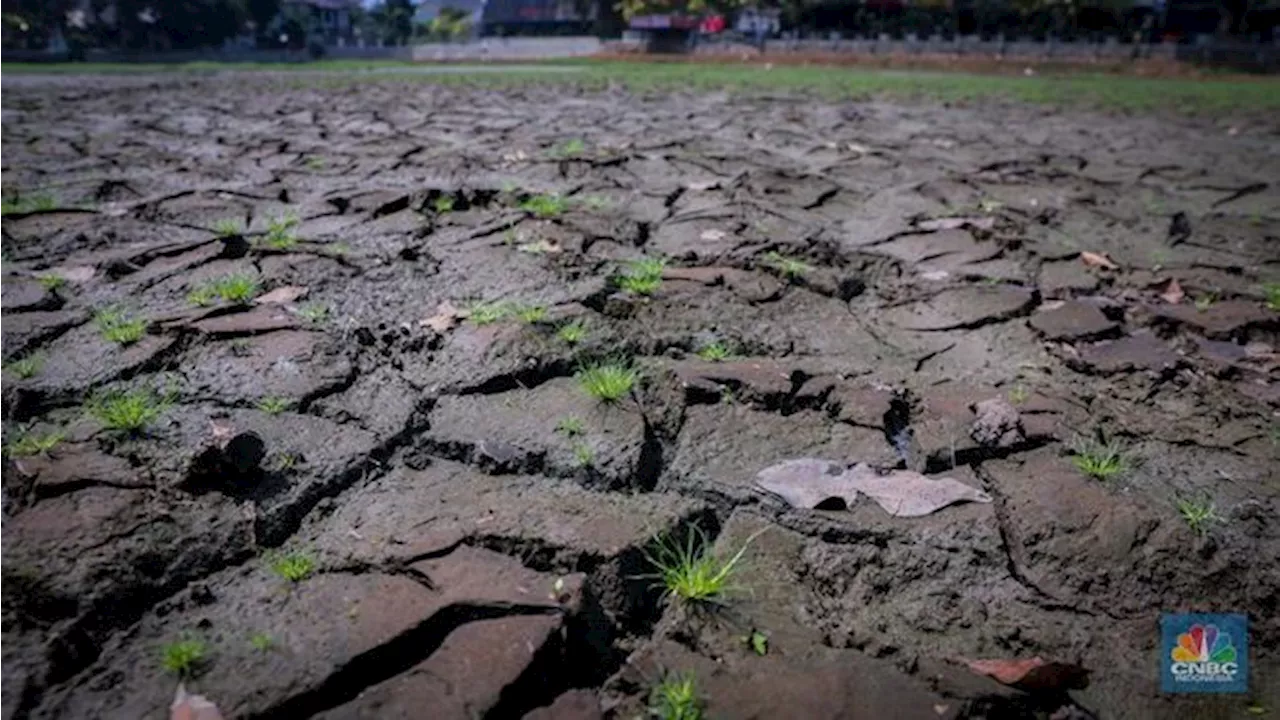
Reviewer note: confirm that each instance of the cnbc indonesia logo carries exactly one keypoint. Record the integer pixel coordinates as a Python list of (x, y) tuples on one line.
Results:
[(1205, 653)]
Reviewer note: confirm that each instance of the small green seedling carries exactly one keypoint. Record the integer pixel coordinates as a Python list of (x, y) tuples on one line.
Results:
[(573, 332), (608, 382), (274, 405), (1098, 459), (1198, 514), (758, 642), (487, 313), (117, 325), (262, 642), (714, 351), (1206, 301), (128, 411), (280, 233), (315, 163), (689, 573), (286, 461), (676, 698), (30, 203), (1272, 293), (227, 228), (1018, 394), (530, 314), (51, 281), (571, 426), (544, 206), (29, 443), (183, 657), (788, 267), (314, 313), (641, 277), (444, 204), (27, 367), (583, 455), (570, 148), (294, 566), (595, 202), (236, 289)]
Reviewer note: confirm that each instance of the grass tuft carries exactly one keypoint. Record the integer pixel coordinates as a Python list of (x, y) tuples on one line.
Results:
[(25, 204), (608, 382), (1206, 301), (29, 443), (545, 206), (1101, 460), (236, 288), (262, 642), (569, 148), (183, 657), (294, 566), (117, 325), (488, 313), (274, 405), (689, 573), (641, 277), (530, 314), (571, 426), (676, 698), (572, 332), (280, 233), (583, 455), (788, 267), (1272, 293), (50, 281), (715, 351), (128, 411), (227, 228), (1199, 514), (314, 313), (27, 367)]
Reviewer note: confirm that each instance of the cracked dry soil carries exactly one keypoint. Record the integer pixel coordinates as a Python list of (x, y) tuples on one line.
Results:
[(475, 559)]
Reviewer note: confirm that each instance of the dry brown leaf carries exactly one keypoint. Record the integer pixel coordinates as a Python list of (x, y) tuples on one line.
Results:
[(282, 295), (1093, 259), (192, 707), (445, 318), (1032, 674), (222, 432), (1172, 292), (810, 482)]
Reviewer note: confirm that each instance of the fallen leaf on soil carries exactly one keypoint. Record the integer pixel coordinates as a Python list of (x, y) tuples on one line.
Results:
[(282, 295), (712, 235), (809, 482), (192, 707), (1171, 291), (1032, 674), (704, 185), (222, 432), (935, 275), (445, 318), (1093, 259), (955, 223), (74, 273), (540, 247)]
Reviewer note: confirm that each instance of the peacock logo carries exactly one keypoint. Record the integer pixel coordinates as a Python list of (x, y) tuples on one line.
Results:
[(1204, 643)]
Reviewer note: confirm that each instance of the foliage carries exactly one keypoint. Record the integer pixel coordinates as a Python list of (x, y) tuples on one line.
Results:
[(676, 698), (714, 351), (51, 281), (280, 234), (29, 443), (570, 426), (26, 367), (236, 288), (572, 147), (608, 382), (530, 314), (758, 642), (294, 566), (583, 455), (688, 572), (183, 657), (274, 405), (545, 206), (444, 204), (1272, 293), (1199, 514), (488, 313), (1099, 459), (314, 313), (262, 642), (129, 411), (117, 325), (20, 204), (572, 332), (788, 267), (227, 227), (641, 277)]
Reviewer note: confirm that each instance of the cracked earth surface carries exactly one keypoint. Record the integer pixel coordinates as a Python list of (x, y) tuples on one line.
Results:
[(474, 559)]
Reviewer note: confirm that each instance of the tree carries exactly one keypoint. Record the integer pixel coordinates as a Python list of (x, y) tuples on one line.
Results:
[(393, 20), (261, 13)]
